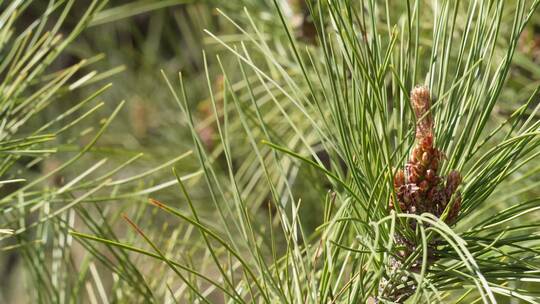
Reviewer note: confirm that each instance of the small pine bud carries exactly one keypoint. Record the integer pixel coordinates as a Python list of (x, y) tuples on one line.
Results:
[(402, 206), (453, 181), (430, 175), (425, 158), (421, 99), (426, 142), (423, 185), (421, 103), (399, 179), (419, 170), (434, 165), (417, 154)]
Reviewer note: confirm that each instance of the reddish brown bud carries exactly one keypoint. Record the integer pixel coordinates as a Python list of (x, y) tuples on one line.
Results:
[(457, 202), (425, 158), (399, 179), (406, 199), (430, 175), (409, 171), (416, 154), (453, 181), (421, 103), (454, 212), (426, 142), (421, 100), (423, 185), (434, 165), (419, 189), (402, 206), (415, 194), (419, 170)]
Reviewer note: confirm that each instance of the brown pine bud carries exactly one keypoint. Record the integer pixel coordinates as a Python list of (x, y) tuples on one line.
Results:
[(426, 142), (456, 207), (423, 185), (434, 165), (430, 175), (425, 158), (409, 173), (419, 170), (421, 99), (453, 181), (418, 187), (399, 179), (457, 203), (406, 198), (415, 194), (416, 154), (421, 103), (402, 206)]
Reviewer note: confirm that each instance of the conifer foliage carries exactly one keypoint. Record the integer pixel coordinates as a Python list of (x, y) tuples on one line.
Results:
[(313, 168)]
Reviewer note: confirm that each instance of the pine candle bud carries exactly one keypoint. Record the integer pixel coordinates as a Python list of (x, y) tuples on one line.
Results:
[(419, 188), (421, 103)]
